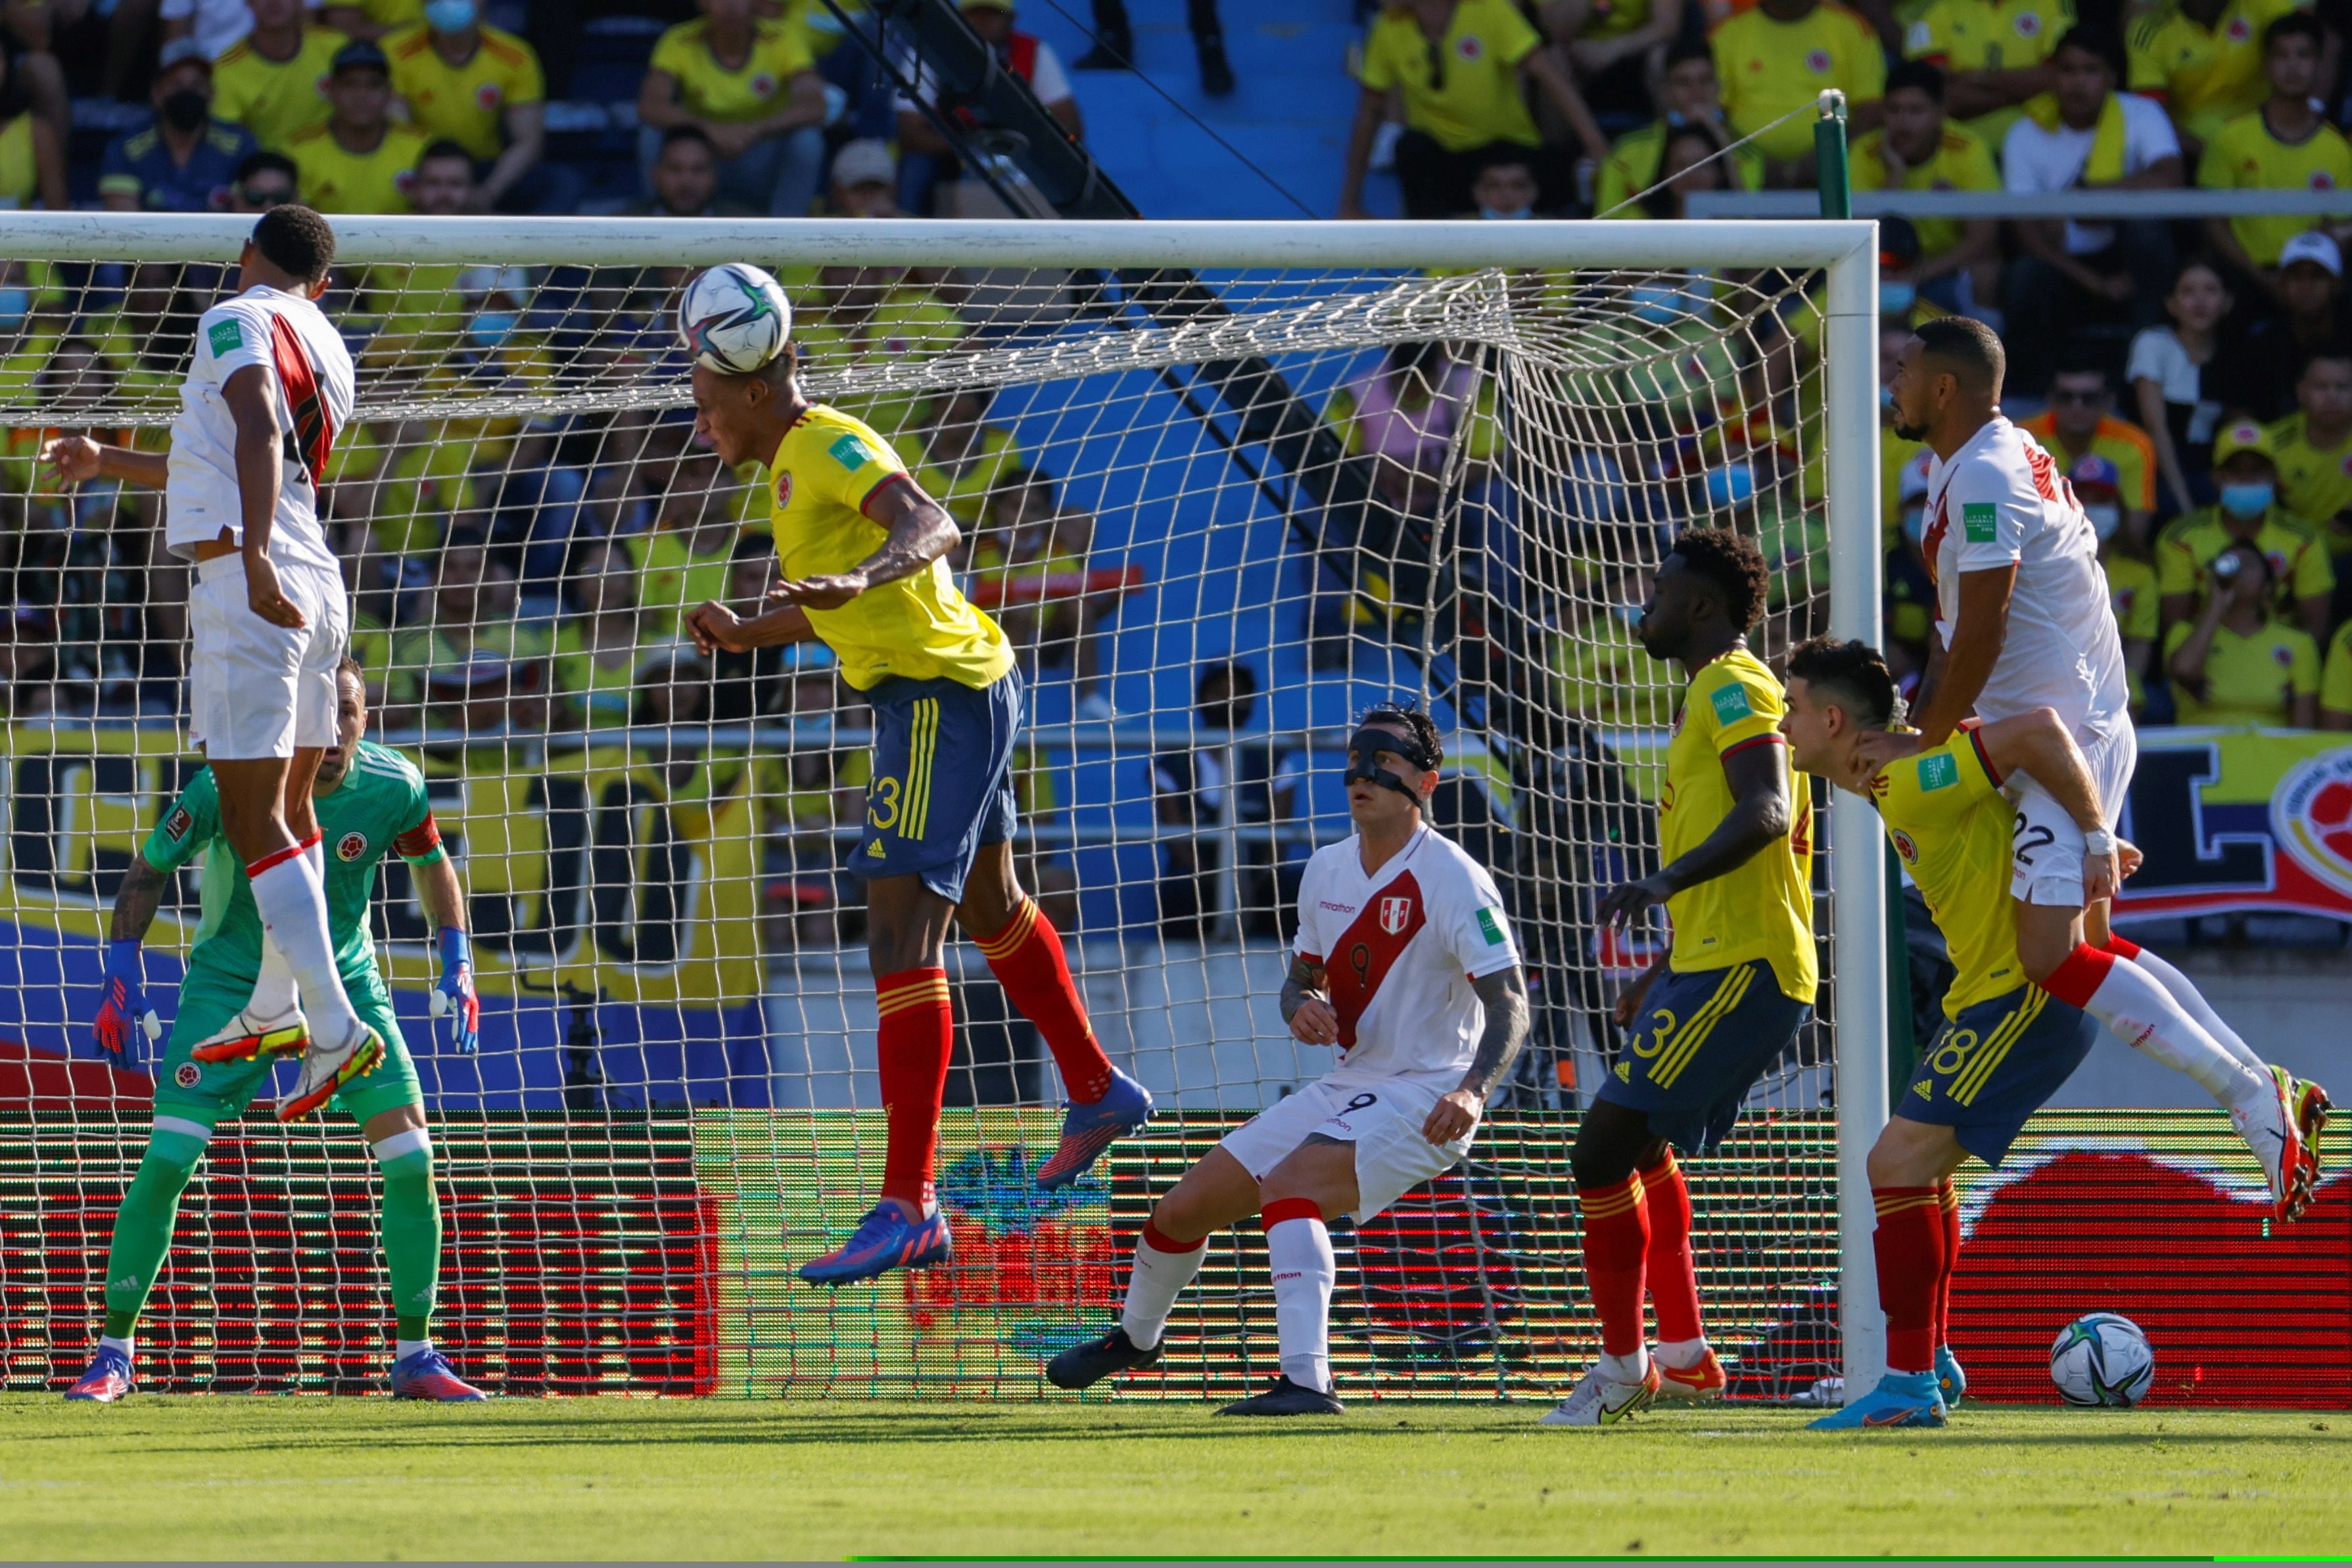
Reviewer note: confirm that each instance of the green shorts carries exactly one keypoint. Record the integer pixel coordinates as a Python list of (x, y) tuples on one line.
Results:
[(210, 1092)]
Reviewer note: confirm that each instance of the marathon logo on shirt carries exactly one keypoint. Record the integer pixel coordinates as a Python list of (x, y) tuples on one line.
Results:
[(850, 453), (228, 337), (176, 825), (1980, 522), (1938, 772), (1731, 704)]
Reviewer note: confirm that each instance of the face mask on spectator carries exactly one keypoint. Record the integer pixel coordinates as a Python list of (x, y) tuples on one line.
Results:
[(2247, 500), (1896, 297), (16, 303), (491, 327), (1655, 302), (2105, 518), (1886, 397), (185, 109), (1514, 213), (1915, 523), (450, 15)]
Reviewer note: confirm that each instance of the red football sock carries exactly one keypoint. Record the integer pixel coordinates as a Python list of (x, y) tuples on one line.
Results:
[(917, 1035), (1616, 1234), (1948, 1205), (1910, 1247), (1026, 959), (1672, 1281)]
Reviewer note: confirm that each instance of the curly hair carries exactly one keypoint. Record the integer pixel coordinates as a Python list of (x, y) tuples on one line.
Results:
[(297, 241), (1408, 717), (1733, 564)]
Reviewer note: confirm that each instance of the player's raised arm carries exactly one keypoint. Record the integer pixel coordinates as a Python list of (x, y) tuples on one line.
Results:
[(2038, 745)]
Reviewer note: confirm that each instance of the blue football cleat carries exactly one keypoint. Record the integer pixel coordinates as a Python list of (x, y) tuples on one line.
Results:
[(1951, 1378), (887, 1237), (1088, 1130), (427, 1374), (108, 1379), (1901, 1399)]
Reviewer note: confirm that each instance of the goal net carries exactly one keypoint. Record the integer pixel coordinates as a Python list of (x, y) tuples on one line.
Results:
[(1223, 487)]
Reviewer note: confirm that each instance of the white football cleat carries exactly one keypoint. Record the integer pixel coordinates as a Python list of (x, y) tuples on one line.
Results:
[(249, 1035), (327, 1069), (1599, 1401), (2268, 1123)]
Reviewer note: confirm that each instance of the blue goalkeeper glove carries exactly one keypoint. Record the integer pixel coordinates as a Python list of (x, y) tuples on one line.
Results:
[(453, 994), (123, 1015)]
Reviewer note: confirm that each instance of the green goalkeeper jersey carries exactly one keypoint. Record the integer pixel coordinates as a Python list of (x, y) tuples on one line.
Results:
[(378, 808)]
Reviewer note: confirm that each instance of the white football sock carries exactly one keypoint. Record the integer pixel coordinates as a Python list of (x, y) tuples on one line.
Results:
[(293, 905), (1159, 1278), (401, 1349), (2139, 1011), (2184, 991), (109, 1342), (1298, 1248), (1625, 1368), (273, 991), (1682, 1354)]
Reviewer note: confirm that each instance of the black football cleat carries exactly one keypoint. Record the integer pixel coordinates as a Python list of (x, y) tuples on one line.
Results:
[(1084, 1365), (1287, 1398)]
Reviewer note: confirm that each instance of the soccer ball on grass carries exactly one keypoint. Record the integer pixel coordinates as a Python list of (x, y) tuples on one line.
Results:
[(734, 319), (2101, 1358)]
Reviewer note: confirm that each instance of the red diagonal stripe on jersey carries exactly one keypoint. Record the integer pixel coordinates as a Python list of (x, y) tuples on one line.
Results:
[(1933, 540), (1361, 960), (314, 424)]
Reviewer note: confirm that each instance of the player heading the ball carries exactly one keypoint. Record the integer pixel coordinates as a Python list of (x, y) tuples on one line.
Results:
[(1406, 964), (863, 552)]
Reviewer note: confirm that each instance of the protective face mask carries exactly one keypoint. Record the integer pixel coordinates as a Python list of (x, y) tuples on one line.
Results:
[(1893, 298), (2105, 519), (1629, 613), (1733, 484), (186, 108), (1500, 213), (450, 15), (2247, 500), (491, 327), (1886, 397), (1651, 303), (16, 303), (1915, 525)]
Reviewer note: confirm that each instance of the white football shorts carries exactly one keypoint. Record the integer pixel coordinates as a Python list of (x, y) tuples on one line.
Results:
[(1382, 1116), (255, 689), (2046, 865)]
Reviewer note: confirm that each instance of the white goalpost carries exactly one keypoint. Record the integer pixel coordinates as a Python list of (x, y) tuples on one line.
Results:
[(1224, 482)]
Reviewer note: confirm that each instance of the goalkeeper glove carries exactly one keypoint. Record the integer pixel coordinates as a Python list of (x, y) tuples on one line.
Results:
[(453, 994), (122, 1011)]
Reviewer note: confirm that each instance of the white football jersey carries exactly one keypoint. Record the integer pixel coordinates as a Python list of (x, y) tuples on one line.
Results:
[(1999, 499), (309, 370), (1399, 949)]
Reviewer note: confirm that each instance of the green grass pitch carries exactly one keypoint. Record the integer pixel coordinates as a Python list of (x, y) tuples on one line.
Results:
[(292, 1477)]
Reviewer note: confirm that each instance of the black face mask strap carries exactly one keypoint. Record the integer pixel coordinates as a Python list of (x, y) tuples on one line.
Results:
[(1369, 742)]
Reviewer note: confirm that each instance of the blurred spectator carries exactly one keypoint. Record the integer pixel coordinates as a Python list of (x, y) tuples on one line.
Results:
[(865, 180), (1606, 676), (684, 180), (1114, 47), (962, 457), (1690, 160), (749, 683), (211, 24), (419, 315), (475, 667), (1610, 44), (2283, 145), (358, 160), (32, 156), (673, 686), (1994, 54), (2085, 135), (1919, 149), (2081, 423), (2167, 371), (1462, 67), (2235, 664), (1895, 452), (598, 639), (2201, 60), (273, 81), (685, 560), (929, 162), (2247, 513), (2336, 681), (749, 84), (481, 89), (1909, 592), (1407, 413), (1506, 189), (264, 181), (1036, 554), (29, 47), (858, 313), (184, 161), (1192, 797), (2261, 358), (1688, 91), (2128, 557), (2313, 448), (1775, 60)]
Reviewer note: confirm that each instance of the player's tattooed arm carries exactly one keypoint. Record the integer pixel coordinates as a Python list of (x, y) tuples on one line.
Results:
[(136, 901), (1504, 995), (1306, 1003), (1760, 815), (920, 532), (2037, 743)]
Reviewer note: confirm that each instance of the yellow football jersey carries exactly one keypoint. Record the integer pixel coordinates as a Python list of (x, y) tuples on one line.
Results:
[(672, 579), (2314, 482), (751, 91), (1962, 162), (276, 98), (1764, 910), (334, 181), (1988, 36), (2248, 679), (919, 627), (2206, 77), (2336, 683), (466, 103), (1464, 91), (1769, 68), (1951, 825), (2245, 155)]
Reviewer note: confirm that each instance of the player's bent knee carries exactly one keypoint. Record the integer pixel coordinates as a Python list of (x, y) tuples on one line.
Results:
[(1913, 1154)]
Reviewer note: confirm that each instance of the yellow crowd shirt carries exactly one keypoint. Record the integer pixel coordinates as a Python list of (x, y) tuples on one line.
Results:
[(1472, 96), (1962, 162), (1632, 167), (2336, 683), (1951, 825), (1769, 68), (20, 171), (2314, 482), (466, 103), (919, 627), (1989, 35), (672, 580), (2245, 155), (275, 99), (1763, 910), (334, 181), (751, 91), (2248, 679), (2186, 546), (2206, 77)]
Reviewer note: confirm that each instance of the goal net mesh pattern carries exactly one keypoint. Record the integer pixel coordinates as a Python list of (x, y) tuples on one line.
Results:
[(1217, 515)]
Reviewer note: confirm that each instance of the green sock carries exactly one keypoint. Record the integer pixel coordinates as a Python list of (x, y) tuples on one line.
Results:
[(143, 1226), (412, 1230)]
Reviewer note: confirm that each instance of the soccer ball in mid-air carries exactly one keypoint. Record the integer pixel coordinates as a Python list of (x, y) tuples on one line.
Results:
[(2101, 1358), (734, 319)]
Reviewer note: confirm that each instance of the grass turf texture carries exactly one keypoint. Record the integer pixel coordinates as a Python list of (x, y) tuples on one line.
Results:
[(619, 1478)]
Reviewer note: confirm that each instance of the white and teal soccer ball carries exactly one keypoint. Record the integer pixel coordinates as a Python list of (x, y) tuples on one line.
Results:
[(2101, 1358), (734, 319)]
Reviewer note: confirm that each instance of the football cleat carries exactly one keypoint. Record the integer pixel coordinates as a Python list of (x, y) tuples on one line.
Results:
[(1088, 1130), (427, 1374), (1287, 1398), (247, 1036), (1901, 1399), (2267, 1122), (1702, 1380), (1598, 1401), (887, 1237), (1951, 1378), (108, 1379), (1084, 1365), (324, 1070), (2311, 1111)]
